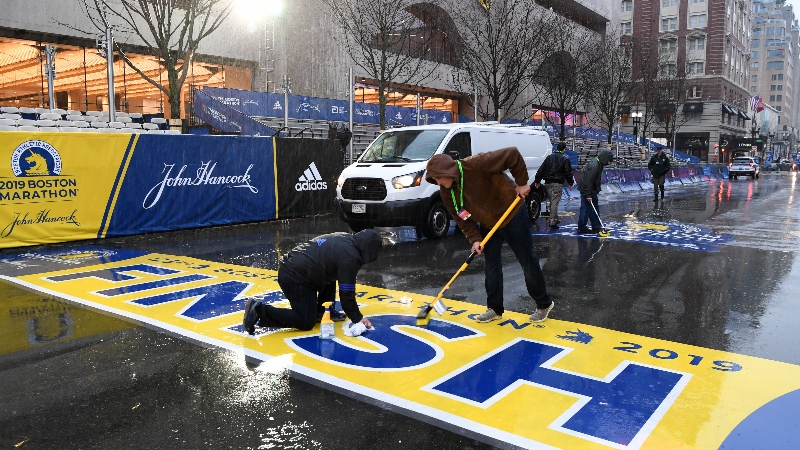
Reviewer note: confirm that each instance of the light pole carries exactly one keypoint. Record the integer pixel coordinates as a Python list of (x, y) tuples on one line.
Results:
[(265, 10)]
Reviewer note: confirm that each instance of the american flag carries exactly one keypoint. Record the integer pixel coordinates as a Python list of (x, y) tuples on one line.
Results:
[(756, 103)]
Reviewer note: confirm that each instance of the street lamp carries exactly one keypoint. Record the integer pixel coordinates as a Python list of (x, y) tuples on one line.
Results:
[(637, 119), (257, 10)]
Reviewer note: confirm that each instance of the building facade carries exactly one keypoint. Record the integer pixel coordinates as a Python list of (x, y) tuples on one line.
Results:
[(773, 58), (254, 49), (705, 45)]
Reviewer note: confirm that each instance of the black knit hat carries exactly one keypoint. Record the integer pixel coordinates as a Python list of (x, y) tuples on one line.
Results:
[(561, 146)]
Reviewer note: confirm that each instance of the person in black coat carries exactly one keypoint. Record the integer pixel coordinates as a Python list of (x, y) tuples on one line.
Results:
[(308, 275), (589, 186), (658, 166), (555, 171)]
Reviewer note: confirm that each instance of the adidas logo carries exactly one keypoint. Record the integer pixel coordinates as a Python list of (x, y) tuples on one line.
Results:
[(311, 180), (277, 105)]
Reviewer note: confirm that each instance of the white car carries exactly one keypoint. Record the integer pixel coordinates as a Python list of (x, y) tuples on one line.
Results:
[(743, 166), (387, 187)]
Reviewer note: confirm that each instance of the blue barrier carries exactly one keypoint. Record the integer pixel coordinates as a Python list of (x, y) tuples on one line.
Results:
[(226, 118), (301, 107)]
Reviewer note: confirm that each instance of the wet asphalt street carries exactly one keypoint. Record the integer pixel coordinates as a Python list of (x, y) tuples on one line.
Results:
[(115, 384)]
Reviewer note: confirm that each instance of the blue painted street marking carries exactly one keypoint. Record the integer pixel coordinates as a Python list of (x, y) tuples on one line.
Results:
[(210, 301), (114, 274), (141, 287), (397, 350), (612, 410)]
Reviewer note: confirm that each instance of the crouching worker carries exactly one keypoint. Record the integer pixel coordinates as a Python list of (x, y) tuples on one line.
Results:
[(308, 275)]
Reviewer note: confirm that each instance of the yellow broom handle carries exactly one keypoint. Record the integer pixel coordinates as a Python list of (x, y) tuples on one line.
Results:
[(497, 225)]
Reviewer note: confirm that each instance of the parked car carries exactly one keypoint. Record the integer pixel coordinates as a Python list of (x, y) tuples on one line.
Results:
[(387, 187), (743, 166)]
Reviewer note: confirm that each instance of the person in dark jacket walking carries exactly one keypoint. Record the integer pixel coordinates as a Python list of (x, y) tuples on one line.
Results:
[(477, 193), (308, 275), (659, 166), (555, 171), (589, 187)]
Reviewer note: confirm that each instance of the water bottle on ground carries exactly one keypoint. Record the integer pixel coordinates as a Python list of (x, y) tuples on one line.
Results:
[(326, 326)]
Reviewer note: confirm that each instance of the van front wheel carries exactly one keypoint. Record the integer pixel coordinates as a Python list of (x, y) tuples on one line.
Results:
[(437, 222), (534, 206)]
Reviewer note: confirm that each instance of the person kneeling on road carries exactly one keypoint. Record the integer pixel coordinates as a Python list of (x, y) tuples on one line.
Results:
[(308, 275), (477, 191)]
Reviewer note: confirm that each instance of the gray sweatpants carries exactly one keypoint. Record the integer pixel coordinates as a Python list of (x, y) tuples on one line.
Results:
[(658, 183), (554, 191)]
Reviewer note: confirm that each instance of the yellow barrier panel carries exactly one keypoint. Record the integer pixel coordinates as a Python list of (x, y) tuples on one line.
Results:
[(55, 187)]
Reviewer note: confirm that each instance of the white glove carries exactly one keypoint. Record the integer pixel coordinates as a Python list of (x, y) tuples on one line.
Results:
[(354, 329)]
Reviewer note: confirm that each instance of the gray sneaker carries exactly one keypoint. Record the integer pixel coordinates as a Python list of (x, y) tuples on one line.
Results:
[(488, 316), (541, 314)]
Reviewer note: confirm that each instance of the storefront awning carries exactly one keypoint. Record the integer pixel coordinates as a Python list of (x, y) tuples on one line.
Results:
[(728, 110), (692, 107), (743, 115), (625, 109)]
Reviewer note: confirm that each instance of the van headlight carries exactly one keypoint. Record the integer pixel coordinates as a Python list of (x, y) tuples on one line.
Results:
[(408, 180), (340, 181)]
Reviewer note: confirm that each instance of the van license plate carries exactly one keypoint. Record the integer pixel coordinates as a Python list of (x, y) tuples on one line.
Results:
[(359, 208)]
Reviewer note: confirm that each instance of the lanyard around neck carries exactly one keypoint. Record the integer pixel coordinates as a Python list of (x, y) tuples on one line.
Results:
[(461, 186)]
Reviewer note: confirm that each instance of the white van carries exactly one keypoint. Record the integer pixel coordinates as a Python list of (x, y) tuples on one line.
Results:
[(387, 187)]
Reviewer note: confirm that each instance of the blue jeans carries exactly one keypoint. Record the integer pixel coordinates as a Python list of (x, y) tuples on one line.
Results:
[(588, 214), (517, 234), (306, 302)]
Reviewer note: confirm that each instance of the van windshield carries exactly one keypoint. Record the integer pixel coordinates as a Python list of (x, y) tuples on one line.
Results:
[(406, 145)]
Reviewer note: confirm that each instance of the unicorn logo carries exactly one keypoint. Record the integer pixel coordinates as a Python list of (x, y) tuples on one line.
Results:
[(38, 165), (35, 159), (576, 336)]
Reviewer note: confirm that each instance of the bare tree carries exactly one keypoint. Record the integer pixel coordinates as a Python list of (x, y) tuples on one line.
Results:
[(610, 80), (565, 80), (643, 90), (170, 29), (393, 41), (497, 51), (671, 96)]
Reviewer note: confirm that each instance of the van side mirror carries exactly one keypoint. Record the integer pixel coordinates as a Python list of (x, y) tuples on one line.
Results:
[(453, 154)]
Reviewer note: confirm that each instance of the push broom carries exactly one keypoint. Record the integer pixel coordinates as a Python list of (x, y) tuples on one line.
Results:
[(438, 304), (603, 232)]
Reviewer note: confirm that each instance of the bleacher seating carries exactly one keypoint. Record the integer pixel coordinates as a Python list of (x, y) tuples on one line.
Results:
[(60, 120)]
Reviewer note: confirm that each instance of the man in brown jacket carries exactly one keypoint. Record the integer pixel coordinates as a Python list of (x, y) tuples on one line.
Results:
[(477, 193)]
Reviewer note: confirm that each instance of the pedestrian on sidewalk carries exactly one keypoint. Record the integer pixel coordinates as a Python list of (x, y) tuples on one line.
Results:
[(555, 171), (308, 275), (658, 166), (589, 187), (477, 193)]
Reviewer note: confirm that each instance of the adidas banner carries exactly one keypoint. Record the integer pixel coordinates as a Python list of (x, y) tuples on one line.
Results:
[(307, 174)]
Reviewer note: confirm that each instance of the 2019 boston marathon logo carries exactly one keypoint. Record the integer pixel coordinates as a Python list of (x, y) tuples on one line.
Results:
[(40, 163), (672, 234)]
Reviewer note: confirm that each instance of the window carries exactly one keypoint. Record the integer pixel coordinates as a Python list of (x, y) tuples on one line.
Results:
[(627, 5), (755, 42), (669, 24), (668, 45), (754, 78), (696, 68), (754, 54), (780, 76), (775, 65), (697, 21), (698, 43), (778, 98), (757, 32), (753, 88), (668, 3), (770, 31), (627, 28), (698, 1), (772, 98), (668, 70), (780, 87), (775, 53), (777, 108), (754, 65), (695, 92)]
